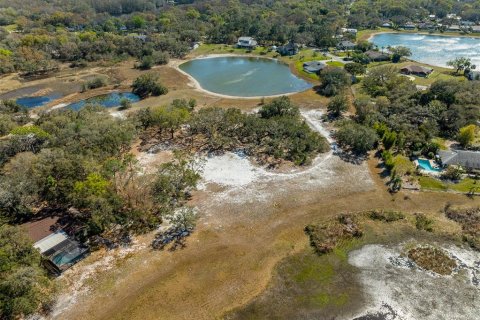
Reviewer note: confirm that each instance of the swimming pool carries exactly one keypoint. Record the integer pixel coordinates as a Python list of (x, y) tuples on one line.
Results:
[(425, 164)]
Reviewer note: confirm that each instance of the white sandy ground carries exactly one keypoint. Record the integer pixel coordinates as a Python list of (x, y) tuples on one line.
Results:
[(246, 183), (242, 183), (389, 278)]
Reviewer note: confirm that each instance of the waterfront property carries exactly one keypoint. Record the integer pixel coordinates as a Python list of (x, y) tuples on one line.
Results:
[(244, 76), (290, 49), (59, 250), (377, 56), (470, 160), (416, 70), (247, 43), (346, 45), (432, 49), (314, 66)]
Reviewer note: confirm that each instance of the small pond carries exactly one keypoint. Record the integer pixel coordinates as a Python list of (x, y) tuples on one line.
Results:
[(110, 100), (37, 101), (432, 49), (244, 76)]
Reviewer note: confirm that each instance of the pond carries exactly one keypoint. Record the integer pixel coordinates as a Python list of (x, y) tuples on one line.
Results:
[(432, 49), (244, 76), (110, 100), (36, 101)]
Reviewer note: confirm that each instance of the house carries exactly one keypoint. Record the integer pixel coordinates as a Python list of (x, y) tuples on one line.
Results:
[(475, 29), (469, 160), (349, 30), (409, 26), (290, 49), (473, 75), (313, 66), (467, 23), (247, 43), (416, 70), (346, 45), (426, 26), (431, 17), (387, 25), (454, 27), (377, 55), (58, 249)]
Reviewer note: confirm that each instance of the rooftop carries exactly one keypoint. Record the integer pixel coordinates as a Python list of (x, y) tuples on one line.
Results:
[(466, 159)]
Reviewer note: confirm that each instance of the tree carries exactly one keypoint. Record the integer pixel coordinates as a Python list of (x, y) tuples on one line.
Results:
[(355, 68), (355, 137), (399, 52), (466, 135), (279, 107), (461, 64), (148, 84), (334, 80), (24, 285), (337, 105)]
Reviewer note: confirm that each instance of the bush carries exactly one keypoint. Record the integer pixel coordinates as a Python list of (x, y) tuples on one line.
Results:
[(337, 105), (148, 84), (95, 83), (125, 104), (452, 173), (386, 216), (334, 80), (422, 222)]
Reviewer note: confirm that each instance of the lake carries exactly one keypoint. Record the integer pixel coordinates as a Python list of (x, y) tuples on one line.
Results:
[(110, 100), (432, 49), (244, 76)]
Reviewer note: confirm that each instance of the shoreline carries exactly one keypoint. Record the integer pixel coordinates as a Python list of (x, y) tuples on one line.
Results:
[(423, 33), (175, 64)]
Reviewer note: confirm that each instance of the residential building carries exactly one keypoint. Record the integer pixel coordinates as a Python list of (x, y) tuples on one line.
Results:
[(346, 45), (377, 55), (314, 66), (469, 160), (416, 70), (290, 49), (473, 75), (247, 43), (59, 250)]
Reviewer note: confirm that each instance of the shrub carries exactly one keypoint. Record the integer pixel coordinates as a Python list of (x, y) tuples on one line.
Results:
[(452, 173), (125, 104), (95, 83), (422, 222), (148, 84), (386, 216)]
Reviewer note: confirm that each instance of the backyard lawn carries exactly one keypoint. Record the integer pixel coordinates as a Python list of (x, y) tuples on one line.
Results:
[(466, 185)]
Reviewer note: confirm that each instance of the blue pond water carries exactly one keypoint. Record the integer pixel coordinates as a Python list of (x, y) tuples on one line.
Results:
[(432, 49), (244, 76), (110, 100), (34, 102), (425, 165)]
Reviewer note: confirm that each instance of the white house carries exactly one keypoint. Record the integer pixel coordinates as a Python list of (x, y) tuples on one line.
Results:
[(246, 42)]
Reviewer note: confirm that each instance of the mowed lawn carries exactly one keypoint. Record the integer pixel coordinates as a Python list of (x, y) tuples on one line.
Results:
[(465, 186)]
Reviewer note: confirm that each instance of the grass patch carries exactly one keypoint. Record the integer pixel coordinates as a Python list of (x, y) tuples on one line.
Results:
[(335, 64), (311, 270), (469, 219), (429, 183), (466, 185), (422, 222)]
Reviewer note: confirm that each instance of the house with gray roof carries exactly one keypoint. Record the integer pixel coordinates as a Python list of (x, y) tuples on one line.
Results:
[(346, 45), (313, 66), (469, 160)]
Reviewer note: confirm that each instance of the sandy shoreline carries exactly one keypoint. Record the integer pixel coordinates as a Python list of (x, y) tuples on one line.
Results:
[(175, 64)]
